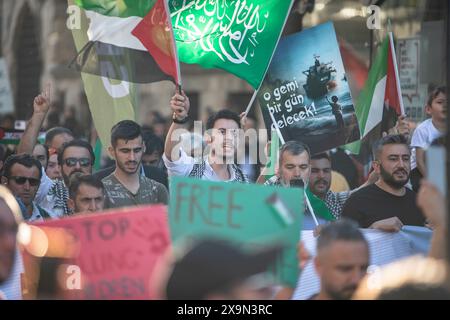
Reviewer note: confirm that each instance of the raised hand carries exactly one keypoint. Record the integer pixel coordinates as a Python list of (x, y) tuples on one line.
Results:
[(243, 118), (41, 103), (432, 203), (180, 105), (402, 126)]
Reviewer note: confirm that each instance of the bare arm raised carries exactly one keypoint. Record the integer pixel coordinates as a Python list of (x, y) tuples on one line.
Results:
[(41, 105)]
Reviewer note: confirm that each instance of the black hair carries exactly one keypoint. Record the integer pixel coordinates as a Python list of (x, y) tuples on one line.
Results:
[(416, 291), (152, 142), (434, 93), (390, 139), (2, 152), (75, 143), (340, 230), (51, 133), (47, 152), (125, 129), (89, 180), (222, 114), (25, 160), (322, 155)]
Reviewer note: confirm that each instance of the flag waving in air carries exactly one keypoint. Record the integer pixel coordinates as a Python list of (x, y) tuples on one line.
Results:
[(130, 40), (121, 43), (238, 36), (380, 102)]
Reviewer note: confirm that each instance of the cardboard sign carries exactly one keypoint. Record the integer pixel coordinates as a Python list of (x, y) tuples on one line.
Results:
[(307, 93), (117, 251), (249, 215)]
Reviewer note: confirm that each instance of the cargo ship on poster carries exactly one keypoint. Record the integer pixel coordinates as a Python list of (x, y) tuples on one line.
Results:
[(320, 78)]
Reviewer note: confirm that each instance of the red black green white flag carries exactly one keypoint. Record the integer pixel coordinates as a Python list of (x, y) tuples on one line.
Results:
[(380, 101), (129, 40)]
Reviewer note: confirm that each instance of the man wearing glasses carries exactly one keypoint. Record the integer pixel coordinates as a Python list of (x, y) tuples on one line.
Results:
[(22, 176), (222, 140), (74, 157)]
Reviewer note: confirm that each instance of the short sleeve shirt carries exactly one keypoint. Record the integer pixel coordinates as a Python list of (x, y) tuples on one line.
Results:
[(149, 192)]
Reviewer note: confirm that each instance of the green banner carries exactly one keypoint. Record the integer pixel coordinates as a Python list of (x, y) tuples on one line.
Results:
[(237, 36), (246, 214)]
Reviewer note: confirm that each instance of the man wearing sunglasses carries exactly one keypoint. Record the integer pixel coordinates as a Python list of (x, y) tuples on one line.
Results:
[(74, 157), (22, 175)]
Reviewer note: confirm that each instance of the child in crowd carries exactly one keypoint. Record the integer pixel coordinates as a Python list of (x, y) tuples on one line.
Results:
[(428, 131)]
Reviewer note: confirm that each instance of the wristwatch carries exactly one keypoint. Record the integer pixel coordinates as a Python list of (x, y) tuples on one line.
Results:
[(182, 121)]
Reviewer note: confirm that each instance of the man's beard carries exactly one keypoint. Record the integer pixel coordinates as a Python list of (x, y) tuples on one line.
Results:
[(324, 192), (339, 295), (390, 180), (124, 169)]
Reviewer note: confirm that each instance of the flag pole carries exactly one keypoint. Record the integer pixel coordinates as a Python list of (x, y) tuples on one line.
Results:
[(280, 136), (88, 44), (397, 78), (308, 204), (174, 46), (247, 110), (270, 60)]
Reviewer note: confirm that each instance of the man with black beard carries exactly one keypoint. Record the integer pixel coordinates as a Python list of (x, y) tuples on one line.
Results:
[(126, 186), (387, 205), (74, 157), (320, 184)]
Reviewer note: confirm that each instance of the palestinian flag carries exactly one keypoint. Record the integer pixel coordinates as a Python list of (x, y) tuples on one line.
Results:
[(13, 136), (129, 40), (380, 101), (319, 206)]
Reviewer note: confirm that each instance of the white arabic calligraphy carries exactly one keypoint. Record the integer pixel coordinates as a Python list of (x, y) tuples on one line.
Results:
[(208, 23)]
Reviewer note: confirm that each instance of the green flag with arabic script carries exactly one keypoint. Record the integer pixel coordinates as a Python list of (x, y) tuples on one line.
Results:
[(238, 36)]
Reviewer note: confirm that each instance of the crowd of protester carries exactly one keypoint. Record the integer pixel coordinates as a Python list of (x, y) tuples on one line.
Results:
[(57, 179)]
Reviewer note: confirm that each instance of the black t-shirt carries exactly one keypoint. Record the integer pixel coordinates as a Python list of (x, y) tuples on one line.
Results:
[(372, 204)]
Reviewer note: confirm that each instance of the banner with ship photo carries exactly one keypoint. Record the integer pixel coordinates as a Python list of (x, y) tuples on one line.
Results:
[(306, 91)]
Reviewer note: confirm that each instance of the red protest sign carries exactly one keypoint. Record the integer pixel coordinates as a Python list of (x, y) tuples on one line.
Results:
[(116, 251)]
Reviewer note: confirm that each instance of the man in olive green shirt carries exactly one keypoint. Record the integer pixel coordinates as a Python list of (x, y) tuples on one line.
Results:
[(126, 186)]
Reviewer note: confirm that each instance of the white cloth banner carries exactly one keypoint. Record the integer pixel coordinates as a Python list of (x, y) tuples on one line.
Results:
[(11, 289), (384, 248)]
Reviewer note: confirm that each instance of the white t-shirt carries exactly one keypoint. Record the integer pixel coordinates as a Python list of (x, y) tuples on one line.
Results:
[(423, 136), (184, 165), (44, 187)]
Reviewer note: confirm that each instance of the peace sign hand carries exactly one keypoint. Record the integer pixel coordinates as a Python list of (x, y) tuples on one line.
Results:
[(41, 103)]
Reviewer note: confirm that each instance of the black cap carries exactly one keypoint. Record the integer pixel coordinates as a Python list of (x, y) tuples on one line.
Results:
[(212, 265)]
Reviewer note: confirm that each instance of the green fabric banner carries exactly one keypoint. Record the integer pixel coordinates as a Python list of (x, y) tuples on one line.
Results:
[(237, 36)]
